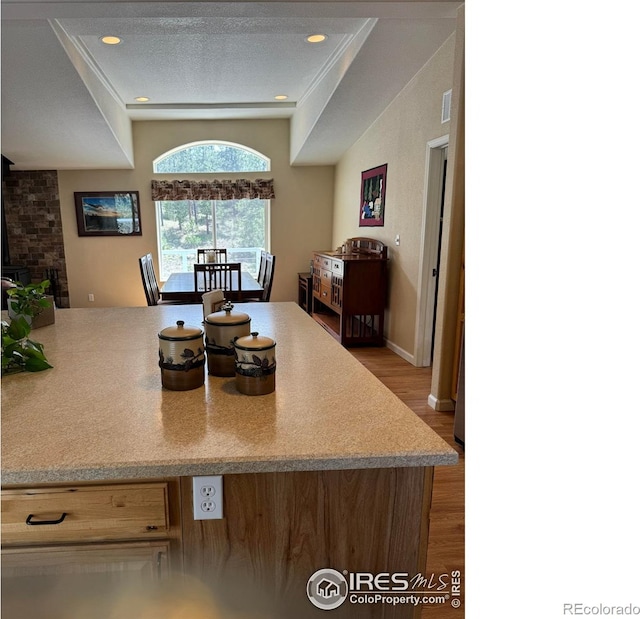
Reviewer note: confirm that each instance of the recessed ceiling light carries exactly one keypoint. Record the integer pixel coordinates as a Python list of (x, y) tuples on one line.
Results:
[(316, 38), (142, 99), (281, 97), (110, 40)]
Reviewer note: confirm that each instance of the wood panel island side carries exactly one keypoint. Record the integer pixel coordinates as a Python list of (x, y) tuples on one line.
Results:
[(330, 471)]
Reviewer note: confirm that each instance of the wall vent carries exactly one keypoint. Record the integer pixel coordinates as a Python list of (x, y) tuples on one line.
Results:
[(446, 106)]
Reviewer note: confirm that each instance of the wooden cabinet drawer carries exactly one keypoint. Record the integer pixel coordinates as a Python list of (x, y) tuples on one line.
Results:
[(92, 513), (325, 294), (322, 262), (337, 267), (325, 277), (124, 557), (59, 582)]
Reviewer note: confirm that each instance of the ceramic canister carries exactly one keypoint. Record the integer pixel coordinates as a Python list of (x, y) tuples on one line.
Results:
[(255, 364), (181, 357), (222, 329)]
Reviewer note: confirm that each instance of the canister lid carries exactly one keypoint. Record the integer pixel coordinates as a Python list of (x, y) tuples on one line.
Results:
[(254, 342), (180, 332), (227, 317)]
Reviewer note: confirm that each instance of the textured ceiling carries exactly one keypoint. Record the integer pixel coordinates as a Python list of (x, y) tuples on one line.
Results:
[(64, 92)]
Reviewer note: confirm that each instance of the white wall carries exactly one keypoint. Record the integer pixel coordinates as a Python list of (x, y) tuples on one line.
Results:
[(301, 213)]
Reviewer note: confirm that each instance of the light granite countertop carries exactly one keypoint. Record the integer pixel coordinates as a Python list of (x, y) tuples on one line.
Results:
[(101, 412)]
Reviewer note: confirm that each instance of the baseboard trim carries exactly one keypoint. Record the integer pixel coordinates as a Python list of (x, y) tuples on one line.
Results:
[(441, 405), (400, 352)]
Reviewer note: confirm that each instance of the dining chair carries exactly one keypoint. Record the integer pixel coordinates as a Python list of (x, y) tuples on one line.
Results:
[(269, 272), (150, 282), (223, 276), (211, 255), (261, 270), (267, 279)]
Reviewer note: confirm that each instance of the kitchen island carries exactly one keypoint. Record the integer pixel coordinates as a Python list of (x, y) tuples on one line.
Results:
[(331, 470)]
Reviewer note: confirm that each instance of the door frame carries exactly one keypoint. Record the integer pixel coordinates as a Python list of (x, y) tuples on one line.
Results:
[(426, 302)]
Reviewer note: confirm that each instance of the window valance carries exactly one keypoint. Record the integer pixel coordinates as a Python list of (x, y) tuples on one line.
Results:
[(213, 190)]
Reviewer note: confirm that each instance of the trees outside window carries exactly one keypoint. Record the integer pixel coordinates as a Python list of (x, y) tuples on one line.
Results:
[(200, 157), (239, 226)]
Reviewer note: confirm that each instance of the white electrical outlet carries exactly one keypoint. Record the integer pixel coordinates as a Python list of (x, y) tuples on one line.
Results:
[(207, 497), (207, 506), (91, 297)]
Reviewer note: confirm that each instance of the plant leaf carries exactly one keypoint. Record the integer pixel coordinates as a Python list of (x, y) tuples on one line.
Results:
[(33, 353), (31, 345), (19, 328), (9, 347), (36, 364)]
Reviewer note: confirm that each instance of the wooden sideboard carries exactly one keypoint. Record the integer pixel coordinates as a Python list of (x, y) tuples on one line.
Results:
[(350, 291)]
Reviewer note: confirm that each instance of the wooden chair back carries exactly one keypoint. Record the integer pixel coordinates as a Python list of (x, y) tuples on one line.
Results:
[(149, 280), (206, 256), (365, 245), (263, 266), (269, 271), (217, 276)]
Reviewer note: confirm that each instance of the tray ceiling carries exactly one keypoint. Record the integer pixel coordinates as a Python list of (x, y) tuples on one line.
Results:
[(68, 100)]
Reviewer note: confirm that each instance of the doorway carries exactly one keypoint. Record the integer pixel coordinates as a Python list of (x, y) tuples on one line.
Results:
[(432, 225), (435, 272)]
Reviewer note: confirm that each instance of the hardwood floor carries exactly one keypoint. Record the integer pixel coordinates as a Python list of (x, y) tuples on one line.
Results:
[(446, 535)]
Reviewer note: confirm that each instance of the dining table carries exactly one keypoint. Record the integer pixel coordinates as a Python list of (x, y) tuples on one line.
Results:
[(180, 287)]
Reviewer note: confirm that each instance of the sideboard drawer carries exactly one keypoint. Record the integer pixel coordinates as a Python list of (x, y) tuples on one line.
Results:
[(325, 294), (91, 513), (337, 267), (323, 262), (325, 277)]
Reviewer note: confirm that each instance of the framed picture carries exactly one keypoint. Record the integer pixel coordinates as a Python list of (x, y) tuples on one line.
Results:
[(108, 213), (372, 191)]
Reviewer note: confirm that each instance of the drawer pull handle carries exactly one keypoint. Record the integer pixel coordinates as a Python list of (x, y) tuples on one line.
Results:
[(159, 564), (58, 521)]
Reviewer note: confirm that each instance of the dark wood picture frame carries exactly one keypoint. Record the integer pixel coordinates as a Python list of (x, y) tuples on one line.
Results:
[(372, 196), (108, 213)]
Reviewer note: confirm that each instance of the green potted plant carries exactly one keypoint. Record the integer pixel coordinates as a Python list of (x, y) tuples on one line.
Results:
[(32, 302), (19, 353)]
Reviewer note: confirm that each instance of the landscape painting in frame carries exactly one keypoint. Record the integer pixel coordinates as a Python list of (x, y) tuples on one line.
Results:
[(372, 192), (108, 213)]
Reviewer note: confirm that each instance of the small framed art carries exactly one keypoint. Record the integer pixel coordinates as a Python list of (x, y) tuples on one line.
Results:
[(372, 196), (108, 213)]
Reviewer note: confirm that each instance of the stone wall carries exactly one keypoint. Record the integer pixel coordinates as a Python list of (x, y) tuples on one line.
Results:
[(34, 225)]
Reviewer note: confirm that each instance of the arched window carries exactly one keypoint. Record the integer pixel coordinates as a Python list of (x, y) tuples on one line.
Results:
[(239, 225), (211, 156)]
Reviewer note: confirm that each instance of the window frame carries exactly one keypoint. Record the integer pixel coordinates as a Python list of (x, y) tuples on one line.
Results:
[(211, 175), (182, 147)]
